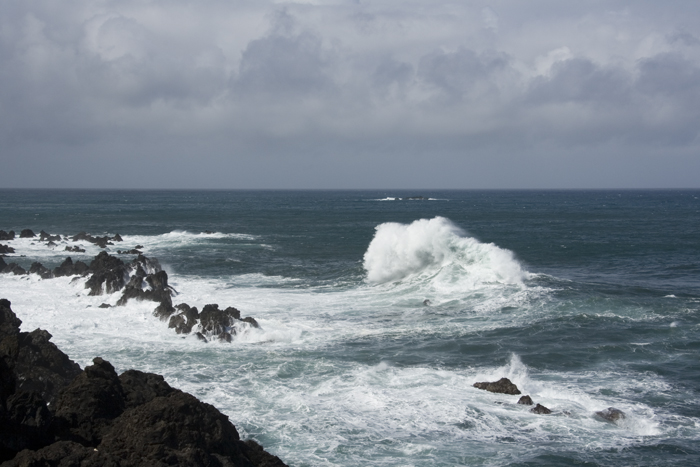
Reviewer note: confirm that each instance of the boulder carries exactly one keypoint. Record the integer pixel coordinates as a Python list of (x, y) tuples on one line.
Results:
[(27, 233), (68, 268), (7, 235), (75, 249), (502, 386), (47, 237), (611, 414), (213, 321), (525, 400), (540, 409)]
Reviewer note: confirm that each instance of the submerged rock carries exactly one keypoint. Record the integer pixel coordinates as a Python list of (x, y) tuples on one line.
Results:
[(611, 414), (502, 386), (540, 409)]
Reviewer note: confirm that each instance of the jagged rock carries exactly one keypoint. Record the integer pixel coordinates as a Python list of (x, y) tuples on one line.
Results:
[(525, 400), (44, 237), (109, 274), (213, 321), (133, 251), (502, 386), (87, 406), (225, 336), (101, 419), (4, 249), (540, 409), (14, 268), (51, 244), (68, 268), (39, 365), (105, 305), (27, 233), (38, 268), (3, 264), (117, 238), (102, 242), (75, 249), (7, 235), (140, 388), (611, 414)]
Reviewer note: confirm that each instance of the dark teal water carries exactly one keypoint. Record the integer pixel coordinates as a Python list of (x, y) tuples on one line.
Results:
[(608, 314)]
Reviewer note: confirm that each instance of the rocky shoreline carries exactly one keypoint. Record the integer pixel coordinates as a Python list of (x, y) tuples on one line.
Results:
[(52, 413), (140, 279)]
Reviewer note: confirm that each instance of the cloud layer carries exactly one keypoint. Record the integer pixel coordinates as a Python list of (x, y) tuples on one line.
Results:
[(348, 94)]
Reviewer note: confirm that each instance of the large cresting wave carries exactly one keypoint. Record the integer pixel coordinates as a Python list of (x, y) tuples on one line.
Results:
[(439, 249)]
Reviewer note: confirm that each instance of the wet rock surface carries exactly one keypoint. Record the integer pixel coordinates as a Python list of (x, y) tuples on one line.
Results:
[(611, 414), (93, 417), (502, 386)]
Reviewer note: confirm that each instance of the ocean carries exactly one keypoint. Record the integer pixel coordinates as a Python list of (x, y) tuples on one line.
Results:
[(379, 310)]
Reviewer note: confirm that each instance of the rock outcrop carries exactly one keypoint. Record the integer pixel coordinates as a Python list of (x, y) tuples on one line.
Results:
[(502, 386), (611, 414), (53, 413)]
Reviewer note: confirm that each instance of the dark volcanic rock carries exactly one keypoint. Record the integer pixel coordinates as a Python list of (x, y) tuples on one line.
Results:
[(27, 233), (502, 386), (611, 414), (38, 268), (101, 419), (251, 321), (184, 321), (68, 268), (14, 268), (540, 409), (525, 400), (38, 364), (3, 264), (109, 274), (7, 235), (86, 407), (4, 249), (47, 237), (215, 321), (75, 249)]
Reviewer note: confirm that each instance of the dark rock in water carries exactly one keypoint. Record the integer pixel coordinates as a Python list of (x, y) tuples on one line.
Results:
[(51, 244), (225, 336), (138, 247), (214, 321), (6, 249), (540, 409), (102, 242), (525, 400), (251, 321), (7, 235), (68, 268), (201, 337), (9, 322), (611, 414), (105, 305), (117, 238), (75, 249), (14, 268), (38, 268), (109, 274), (185, 320), (47, 237), (259, 457), (3, 264), (129, 252), (426, 302), (502, 386), (27, 233), (164, 310)]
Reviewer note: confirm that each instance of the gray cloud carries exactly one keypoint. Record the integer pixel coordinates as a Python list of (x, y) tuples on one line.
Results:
[(277, 94)]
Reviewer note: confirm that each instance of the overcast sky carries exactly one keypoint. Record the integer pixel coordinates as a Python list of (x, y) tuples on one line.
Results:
[(349, 94)]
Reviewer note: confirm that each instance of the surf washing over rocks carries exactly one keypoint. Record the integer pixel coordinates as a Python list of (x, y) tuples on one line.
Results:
[(371, 322)]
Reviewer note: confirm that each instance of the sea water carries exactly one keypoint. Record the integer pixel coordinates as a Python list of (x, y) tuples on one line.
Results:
[(379, 310)]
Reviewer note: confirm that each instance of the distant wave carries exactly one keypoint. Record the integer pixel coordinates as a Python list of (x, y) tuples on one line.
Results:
[(437, 250)]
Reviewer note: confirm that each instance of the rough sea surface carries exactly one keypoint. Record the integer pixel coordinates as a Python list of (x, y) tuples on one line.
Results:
[(584, 299)]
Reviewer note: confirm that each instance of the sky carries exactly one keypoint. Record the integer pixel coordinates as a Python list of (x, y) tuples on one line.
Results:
[(229, 94)]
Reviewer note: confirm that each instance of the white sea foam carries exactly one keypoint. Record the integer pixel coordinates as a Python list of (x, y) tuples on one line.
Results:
[(437, 249)]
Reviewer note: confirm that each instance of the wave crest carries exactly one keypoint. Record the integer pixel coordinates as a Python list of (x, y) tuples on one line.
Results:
[(437, 247)]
